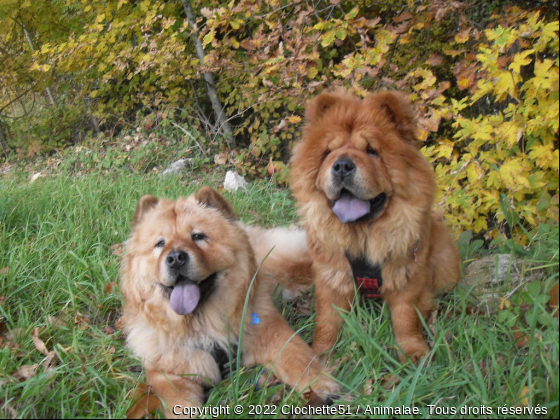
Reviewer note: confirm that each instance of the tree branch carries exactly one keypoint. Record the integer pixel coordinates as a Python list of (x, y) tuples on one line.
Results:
[(208, 77)]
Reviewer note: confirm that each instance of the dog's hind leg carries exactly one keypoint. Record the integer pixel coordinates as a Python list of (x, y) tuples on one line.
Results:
[(275, 345)]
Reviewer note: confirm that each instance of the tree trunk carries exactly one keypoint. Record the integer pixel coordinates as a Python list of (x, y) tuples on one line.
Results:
[(209, 78), (3, 140), (30, 42)]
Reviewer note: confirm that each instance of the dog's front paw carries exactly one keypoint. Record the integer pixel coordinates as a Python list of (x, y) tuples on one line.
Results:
[(413, 349), (324, 390)]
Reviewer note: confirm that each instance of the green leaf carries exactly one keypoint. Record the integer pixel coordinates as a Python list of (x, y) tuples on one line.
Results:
[(534, 288), (546, 319)]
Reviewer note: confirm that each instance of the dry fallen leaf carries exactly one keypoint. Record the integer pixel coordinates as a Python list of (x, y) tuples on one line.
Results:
[(553, 302), (145, 401), (120, 324), (108, 330), (221, 158), (524, 397), (521, 339), (435, 60), (39, 344), (15, 334), (432, 325), (390, 381), (82, 320), (56, 321), (4, 271), (312, 399), (25, 372), (369, 387), (108, 288)]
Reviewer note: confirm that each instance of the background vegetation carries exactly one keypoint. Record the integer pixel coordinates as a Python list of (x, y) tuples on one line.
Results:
[(483, 76)]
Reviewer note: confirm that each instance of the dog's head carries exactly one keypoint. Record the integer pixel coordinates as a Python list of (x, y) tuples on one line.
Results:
[(358, 153), (182, 251)]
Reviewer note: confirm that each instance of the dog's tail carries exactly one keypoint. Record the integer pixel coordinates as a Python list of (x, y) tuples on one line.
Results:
[(285, 258)]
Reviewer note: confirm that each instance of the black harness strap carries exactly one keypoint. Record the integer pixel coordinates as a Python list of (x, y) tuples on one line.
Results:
[(222, 358)]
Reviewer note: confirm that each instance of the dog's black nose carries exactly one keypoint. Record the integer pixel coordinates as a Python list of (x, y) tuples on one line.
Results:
[(343, 167), (176, 259)]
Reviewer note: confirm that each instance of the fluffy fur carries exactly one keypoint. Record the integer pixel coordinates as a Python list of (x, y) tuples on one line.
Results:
[(177, 349), (366, 149)]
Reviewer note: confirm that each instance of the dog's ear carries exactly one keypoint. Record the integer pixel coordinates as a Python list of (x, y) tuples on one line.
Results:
[(318, 106), (146, 203), (397, 107), (212, 198)]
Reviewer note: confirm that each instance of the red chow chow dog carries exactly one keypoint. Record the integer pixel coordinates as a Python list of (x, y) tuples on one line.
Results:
[(365, 193)]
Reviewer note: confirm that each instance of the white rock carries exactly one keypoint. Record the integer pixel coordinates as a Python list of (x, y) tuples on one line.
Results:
[(34, 177), (234, 181), (175, 167)]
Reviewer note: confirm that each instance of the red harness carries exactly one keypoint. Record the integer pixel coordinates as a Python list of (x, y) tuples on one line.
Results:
[(367, 277)]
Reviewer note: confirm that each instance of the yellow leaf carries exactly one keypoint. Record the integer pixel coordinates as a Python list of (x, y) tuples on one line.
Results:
[(507, 85), (312, 72), (524, 396), (209, 37), (444, 150), (422, 134), (464, 82), (328, 38), (513, 173), (521, 59), (294, 119), (463, 36)]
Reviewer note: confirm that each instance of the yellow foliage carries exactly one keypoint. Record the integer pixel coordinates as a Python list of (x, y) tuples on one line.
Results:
[(510, 156)]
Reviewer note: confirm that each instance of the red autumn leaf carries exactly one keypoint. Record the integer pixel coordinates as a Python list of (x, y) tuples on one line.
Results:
[(553, 302), (312, 399), (108, 288), (271, 168)]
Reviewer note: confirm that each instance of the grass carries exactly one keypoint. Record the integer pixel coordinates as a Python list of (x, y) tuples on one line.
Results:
[(56, 273)]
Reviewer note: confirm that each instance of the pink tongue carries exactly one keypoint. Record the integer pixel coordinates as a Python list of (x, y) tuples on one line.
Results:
[(184, 297), (349, 208)]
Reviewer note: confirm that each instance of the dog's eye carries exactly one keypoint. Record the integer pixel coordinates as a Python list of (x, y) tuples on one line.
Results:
[(327, 152), (198, 236), (160, 244), (371, 151)]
